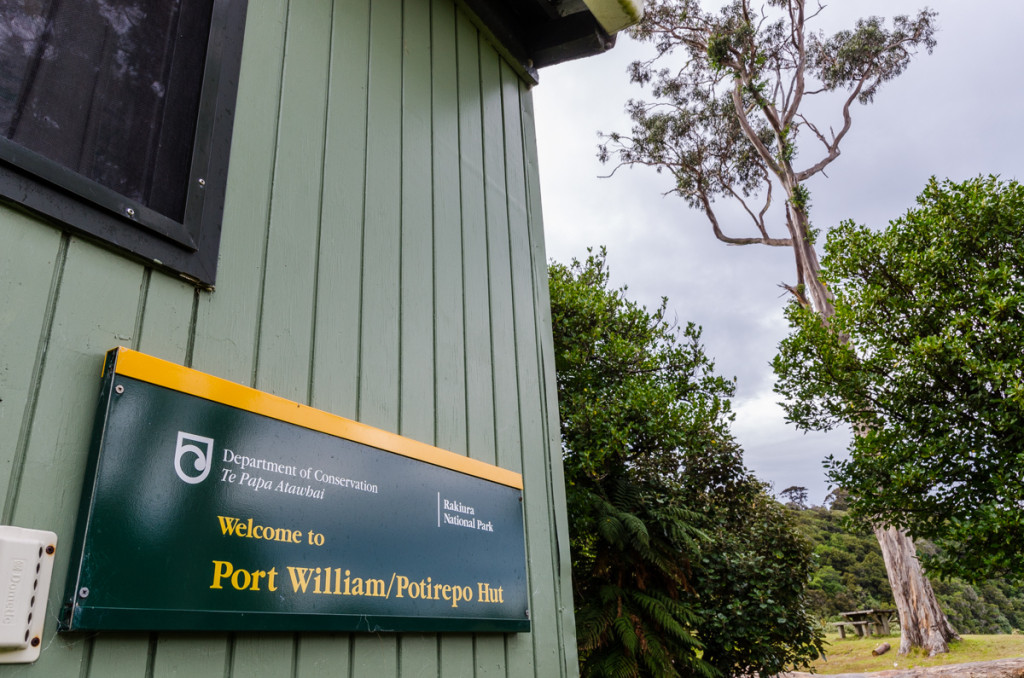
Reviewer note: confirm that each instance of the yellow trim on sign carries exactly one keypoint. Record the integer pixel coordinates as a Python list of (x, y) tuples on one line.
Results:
[(146, 368)]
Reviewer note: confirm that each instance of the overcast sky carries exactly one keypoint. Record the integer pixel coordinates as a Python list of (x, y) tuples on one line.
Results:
[(955, 113)]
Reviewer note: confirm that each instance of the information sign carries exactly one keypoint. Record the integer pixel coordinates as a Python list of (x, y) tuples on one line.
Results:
[(213, 506)]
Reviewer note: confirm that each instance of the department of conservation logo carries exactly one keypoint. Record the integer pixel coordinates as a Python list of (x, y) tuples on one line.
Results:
[(193, 470)]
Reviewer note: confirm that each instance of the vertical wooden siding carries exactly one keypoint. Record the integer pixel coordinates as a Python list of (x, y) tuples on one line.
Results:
[(382, 258)]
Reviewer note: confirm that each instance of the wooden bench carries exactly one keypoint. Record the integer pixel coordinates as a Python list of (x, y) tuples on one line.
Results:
[(861, 627), (876, 622)]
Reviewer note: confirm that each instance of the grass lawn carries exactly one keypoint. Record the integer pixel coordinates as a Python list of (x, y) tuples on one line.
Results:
[(853, 655)]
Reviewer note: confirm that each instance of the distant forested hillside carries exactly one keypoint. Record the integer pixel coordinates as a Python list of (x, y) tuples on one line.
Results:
[(850, 575)]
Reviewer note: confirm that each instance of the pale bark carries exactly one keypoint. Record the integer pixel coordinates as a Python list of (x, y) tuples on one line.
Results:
[(922, 623)]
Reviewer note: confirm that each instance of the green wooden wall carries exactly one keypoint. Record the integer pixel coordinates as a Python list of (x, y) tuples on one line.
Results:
[(382, 258)]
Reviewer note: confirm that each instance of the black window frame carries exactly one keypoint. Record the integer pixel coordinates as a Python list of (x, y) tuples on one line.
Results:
[(188, 248)]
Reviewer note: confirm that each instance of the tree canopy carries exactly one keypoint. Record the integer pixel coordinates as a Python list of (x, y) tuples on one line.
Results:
[(925, 355), (682, 563)]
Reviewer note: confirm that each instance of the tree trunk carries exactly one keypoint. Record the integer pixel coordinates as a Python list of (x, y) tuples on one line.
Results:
[(922, 623)]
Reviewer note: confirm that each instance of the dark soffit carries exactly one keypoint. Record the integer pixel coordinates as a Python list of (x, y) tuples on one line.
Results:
[(540, 33)]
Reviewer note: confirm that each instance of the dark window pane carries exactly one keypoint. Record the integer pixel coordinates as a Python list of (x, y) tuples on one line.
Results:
[(107, 88)]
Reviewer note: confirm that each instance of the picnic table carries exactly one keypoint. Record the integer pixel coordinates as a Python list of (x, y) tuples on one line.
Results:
[(865, 622)]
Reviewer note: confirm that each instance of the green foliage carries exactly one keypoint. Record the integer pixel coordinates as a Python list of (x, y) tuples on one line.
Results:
[(682, 564), (787, 149), (635, 620), (801, 198), (631, 389), (718, 50), (993, 606), (850, 575), (840, 60), (925, 356), (750, 577)]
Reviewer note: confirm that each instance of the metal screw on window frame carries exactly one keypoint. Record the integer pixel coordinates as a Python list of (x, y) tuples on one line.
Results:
[(202, 181), (130, 212), (83, 592), (119, 388)]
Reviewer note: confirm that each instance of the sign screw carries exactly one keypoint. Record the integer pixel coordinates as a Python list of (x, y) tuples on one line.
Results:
[(35, 642), (50, 550), (119, 388), (83, 592)]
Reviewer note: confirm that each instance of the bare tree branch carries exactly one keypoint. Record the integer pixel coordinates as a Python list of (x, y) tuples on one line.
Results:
[(771, 242)]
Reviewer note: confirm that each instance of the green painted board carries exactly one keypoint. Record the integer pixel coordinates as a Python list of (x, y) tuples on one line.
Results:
[(243, 518)]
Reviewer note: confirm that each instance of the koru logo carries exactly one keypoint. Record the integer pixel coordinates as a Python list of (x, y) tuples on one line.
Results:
[(193, 471)]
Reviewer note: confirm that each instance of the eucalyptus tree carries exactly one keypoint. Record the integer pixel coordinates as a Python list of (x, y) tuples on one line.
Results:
[(728, 120)]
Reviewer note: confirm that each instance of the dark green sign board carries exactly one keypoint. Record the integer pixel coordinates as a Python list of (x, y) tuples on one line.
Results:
[(212, 506)]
